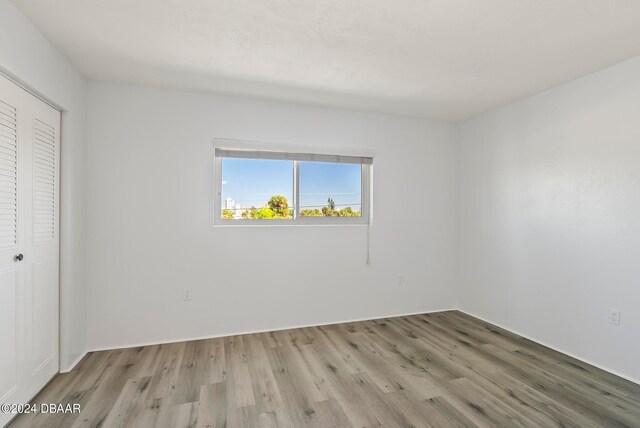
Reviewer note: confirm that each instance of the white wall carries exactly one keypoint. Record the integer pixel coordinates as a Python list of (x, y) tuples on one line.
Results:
[(550, 217), (151, 234), (26, 55)]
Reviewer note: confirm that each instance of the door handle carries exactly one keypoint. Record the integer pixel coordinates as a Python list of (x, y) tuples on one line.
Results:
[(18, 258)]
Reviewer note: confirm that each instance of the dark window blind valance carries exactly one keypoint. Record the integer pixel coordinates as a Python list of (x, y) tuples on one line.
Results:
[(305, 157)]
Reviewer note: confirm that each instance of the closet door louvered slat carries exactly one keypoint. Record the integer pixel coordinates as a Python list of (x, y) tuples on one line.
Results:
[(44, 185), (8, 176)]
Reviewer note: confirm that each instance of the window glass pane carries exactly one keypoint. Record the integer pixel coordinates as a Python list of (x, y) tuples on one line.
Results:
[(330, 189), (257, 189)]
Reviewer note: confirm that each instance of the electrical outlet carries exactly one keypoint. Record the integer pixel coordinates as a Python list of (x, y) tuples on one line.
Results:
[(187, 294), (614, 316), (400, 280)]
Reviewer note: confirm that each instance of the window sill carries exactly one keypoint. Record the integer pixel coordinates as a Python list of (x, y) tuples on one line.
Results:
[(283, 223)]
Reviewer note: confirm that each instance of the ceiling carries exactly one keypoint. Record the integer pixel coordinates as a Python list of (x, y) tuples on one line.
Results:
[(439, 59)]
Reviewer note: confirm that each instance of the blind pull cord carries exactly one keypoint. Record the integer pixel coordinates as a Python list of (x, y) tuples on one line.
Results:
[(368, 245)]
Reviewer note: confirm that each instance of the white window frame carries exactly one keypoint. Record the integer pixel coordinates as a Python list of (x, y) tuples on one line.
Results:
[(297, 220)]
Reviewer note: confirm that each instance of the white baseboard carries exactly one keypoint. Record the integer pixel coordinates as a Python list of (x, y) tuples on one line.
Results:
[(137, 345), (606, 369), (74, 364)]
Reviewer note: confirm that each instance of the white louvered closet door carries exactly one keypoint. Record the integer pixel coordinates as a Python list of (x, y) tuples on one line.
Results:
[(29, 193)]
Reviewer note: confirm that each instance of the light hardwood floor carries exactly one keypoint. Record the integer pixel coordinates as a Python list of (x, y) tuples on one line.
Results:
[(446, 369)]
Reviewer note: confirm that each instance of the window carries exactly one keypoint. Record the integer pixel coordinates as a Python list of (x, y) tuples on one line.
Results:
[(330, 189), (266, 187), (256, 189)]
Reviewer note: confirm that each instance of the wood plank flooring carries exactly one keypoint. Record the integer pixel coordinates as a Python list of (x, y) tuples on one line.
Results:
[(437, 370)]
